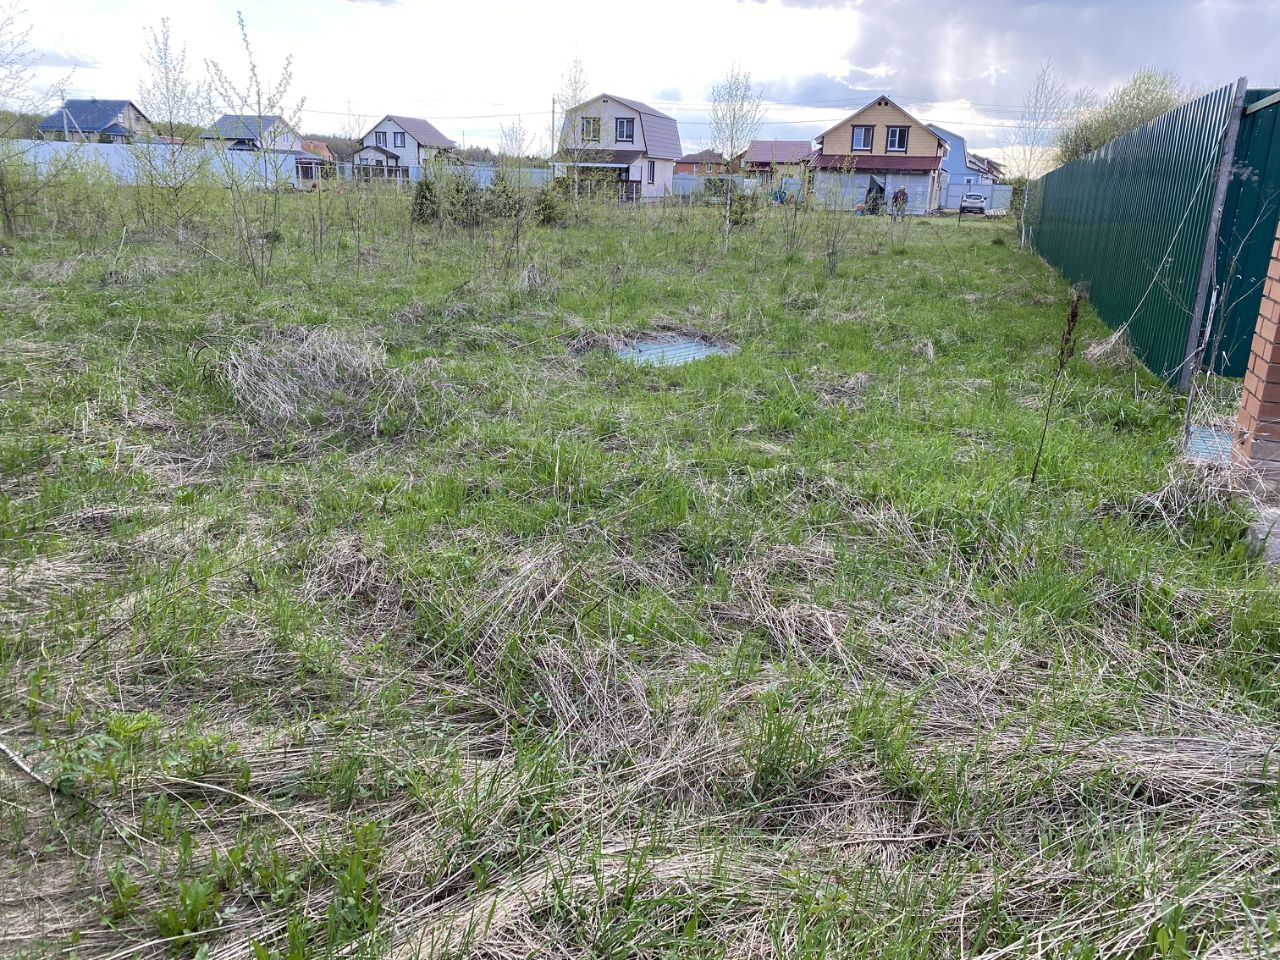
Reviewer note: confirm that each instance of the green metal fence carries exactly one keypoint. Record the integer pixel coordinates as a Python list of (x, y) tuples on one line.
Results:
[(1131, 219), (1247, 233)]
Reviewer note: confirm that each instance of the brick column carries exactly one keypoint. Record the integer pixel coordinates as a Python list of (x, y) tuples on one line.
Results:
[(1257, 436)]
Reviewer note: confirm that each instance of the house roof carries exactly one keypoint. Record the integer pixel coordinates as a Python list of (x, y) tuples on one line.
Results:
[(702, 156), (864, 164), (88, 116), (603, 158), (777, 151), (382, 150), (242, 126), (881, 100), (978, 162), (661, 131), (421, 130), (318, 147)]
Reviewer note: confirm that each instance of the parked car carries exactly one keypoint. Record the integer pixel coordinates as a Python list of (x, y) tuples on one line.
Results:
[(973, 203)]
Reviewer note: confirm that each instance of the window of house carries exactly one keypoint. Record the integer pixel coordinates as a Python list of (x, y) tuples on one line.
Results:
[(968, 179), (897, 138), (591, 129), (652, 170), (397, 139), (377, 163), (862, 137), (625, 130), (380, 138)]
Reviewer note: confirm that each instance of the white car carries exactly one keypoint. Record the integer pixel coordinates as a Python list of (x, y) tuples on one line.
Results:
[(973, 203)]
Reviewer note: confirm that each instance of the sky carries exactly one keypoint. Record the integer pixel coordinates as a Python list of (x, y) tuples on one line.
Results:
[(474, 67)]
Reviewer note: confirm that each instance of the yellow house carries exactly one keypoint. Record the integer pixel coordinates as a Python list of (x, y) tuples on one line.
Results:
[(867, 157)]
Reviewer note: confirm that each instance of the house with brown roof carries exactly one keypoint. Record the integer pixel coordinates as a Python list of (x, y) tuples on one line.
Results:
[(320, 149), (623, 146), (400, 143), (764, 160), (704, 162), (869, 155)]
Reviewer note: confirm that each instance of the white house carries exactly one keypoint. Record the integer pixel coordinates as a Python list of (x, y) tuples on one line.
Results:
[(401, 142), (623, 142)]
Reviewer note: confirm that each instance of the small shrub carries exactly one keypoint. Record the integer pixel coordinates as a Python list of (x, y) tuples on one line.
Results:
[(549, 208), (426, 201)]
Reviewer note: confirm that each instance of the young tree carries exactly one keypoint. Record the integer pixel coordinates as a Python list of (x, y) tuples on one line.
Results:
[(1028, 152), (570, 137), (20, 182), (736, 113), (177, 106), (255, 190)]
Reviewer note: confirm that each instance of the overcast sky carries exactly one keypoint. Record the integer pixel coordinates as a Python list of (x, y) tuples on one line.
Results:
[(472, 67)]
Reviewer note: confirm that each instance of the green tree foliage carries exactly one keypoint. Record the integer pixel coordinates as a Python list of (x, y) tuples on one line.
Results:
[(1095, 121)]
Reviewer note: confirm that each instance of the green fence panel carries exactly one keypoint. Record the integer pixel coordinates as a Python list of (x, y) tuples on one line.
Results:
[(1131, 219), (1248, 231)]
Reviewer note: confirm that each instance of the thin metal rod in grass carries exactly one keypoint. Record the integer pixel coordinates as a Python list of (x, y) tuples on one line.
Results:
[(1066, 350)]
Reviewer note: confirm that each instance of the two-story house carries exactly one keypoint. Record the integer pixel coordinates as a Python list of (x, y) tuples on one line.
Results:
[(704, 162), (96, 121), (623, 145), (399, 143), (964, 172), (868, 156), (246, 131)]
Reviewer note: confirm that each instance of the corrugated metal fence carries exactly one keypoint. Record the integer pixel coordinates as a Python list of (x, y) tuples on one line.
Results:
[(1248, 229), (1133, 220)]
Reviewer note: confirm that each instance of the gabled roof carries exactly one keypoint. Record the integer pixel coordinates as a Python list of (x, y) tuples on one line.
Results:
[(661, 131), (377, 149), (702, 156), (777, 151), (243, 126), (881, 101), (421, 130), (88, 116)]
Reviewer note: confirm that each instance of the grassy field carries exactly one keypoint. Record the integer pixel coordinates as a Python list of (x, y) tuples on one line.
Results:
[(379, 610)]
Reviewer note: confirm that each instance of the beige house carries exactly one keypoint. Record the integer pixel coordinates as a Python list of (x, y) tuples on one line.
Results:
[(868, 156)]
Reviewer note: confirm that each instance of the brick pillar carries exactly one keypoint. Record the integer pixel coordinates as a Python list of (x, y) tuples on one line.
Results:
[(1257, 438)]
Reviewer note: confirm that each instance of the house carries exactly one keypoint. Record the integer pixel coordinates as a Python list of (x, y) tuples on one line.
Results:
[(101, 121), (245, 131), (764, 159), (318, 148), (706, 162), (964, 172), (866, 157), (623, 145), (398, 144)]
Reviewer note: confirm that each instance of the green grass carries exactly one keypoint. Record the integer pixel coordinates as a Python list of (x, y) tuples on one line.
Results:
[(358, 614)]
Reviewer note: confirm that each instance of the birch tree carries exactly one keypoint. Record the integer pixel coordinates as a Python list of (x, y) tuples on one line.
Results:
[(736, 113), (20, 182), (176, 104), (1029, 151), (572, 93)]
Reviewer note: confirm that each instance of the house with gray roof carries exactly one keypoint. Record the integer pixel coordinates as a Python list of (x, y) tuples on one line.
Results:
[(620, 142), (400, 143), (246, 131), (96, 121)]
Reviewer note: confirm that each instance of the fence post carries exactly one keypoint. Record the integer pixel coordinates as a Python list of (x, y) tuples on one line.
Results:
[(1191, 360)]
